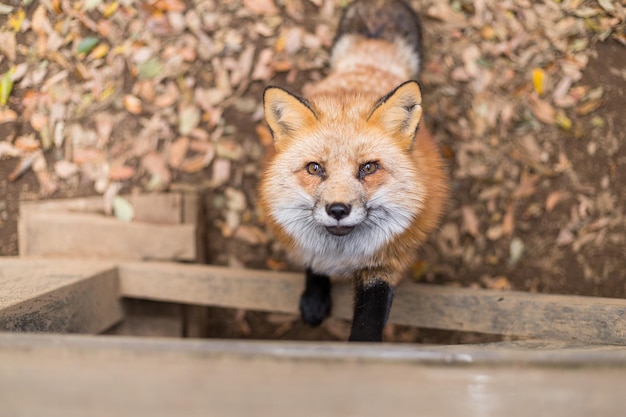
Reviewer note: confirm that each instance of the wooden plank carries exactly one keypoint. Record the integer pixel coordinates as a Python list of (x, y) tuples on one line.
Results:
[(102, 376), (44, 296), (575, 318), (93, 236), (80, 205), (159, 208), (211, 285)]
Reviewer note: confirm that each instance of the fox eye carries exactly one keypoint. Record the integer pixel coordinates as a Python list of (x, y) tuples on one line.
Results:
[(314, 168), (367, 168)]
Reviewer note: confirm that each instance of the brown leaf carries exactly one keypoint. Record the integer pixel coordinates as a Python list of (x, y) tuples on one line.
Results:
[(40, 23), (24, 165), (104, 127), (7, 149), (8, 45), (470, 221), (496, 283), (38, 121), (263, 70), (121, 173), (251, 235), (170, 5), (178, 151), (7, 115), (47, 184), (262, 7), (495, 232), (193, 164), (65, 169), (508, 222), (221, 172), (553, 199), (155, 165), (564, 238), (542, 110), (27, 143), (588, 107), (168, 97), (132, 104), (526, 186), (87, 156)]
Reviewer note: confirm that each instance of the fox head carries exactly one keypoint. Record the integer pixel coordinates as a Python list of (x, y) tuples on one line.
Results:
[(343, 182)]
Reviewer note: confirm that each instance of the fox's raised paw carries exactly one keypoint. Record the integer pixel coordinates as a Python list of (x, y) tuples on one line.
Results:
[(314, 307)]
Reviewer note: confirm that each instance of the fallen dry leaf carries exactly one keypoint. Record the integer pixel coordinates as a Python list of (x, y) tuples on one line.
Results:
[(132, 104), (542, 110), (553, 199), (121, 173), (65, 169), (8, 45), (178, 151), (221, 172), (262, 7), (7, 115), (263, 70), (251, 235), (193, 164), (24, 165), (588, 107), (496, 283), (155, 164), (508, 221), (470, 220)]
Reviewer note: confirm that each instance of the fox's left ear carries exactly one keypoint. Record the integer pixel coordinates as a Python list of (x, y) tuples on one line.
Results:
[(399, 112), (285, 114)]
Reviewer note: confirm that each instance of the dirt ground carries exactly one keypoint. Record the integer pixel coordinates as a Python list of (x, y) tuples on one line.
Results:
[(525, 99)]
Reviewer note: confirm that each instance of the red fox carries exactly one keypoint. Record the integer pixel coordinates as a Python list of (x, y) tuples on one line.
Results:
[(353, 188)]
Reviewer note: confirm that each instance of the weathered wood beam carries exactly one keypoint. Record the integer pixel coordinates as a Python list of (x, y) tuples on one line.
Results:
[(82, 235), (588, 320), (164, 227), (58, 296), (564, 317)]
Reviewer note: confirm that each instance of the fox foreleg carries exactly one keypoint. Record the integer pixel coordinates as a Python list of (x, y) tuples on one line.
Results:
[(372, 302), (315, 301)]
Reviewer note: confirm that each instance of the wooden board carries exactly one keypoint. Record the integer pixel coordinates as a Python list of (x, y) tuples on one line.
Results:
[(93, 236), (159, 208), (69, 376), (574, 318), (164, 228), (58, 297), (586, 320)]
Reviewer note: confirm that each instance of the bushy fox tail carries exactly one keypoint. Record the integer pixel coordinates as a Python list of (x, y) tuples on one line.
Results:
[(382, 19)]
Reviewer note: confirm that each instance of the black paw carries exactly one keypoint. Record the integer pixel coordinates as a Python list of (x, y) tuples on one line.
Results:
[(314, 307), (315, 300)]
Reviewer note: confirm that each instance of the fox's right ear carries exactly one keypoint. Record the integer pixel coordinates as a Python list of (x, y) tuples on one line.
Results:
[(285, 113), (399, 112)]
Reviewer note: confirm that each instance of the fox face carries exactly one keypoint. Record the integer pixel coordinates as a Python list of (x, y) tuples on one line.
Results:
[(343, 182)]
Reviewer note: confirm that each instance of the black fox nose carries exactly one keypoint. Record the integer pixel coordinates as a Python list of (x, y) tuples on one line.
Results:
[(338, 210)]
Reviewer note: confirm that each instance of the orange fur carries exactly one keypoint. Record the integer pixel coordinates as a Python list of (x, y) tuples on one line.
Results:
[(363, 112)]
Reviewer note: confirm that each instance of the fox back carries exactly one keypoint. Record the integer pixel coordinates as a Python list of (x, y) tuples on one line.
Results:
[(351, 191)]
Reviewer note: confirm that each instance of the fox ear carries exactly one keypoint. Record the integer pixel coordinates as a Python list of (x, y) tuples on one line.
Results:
[(399, 112), (285, 113)]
